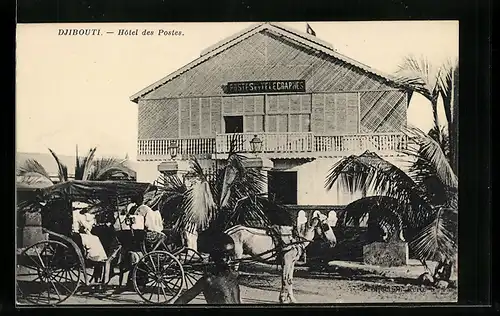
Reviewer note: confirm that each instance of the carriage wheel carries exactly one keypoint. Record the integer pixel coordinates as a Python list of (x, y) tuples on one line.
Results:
[(159, 245), (158, 277), (193, 265), (48, 273)]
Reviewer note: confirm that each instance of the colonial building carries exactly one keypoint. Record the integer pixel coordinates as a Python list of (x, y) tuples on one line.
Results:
[(304, 105)]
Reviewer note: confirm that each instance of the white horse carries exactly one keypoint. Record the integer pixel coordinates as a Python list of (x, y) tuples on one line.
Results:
[(261, 246)]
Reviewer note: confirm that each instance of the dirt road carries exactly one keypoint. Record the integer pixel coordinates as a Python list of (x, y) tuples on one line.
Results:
[(263, 288)]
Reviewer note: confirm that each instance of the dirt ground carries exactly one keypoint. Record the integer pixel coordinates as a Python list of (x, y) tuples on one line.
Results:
[(262, 287)]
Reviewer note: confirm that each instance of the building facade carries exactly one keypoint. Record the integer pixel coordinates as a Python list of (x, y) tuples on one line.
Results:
[(308, 105)]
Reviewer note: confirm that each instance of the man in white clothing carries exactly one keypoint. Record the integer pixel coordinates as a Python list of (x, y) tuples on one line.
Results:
[(153, 222)]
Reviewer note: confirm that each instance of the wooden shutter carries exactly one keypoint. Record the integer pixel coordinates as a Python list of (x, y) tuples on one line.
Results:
[(215, 114), (195, 117), (352, 113), (185, 117), (318, 113), (205, 117)]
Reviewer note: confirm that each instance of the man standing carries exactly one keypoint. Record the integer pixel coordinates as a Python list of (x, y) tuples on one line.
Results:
[(153, 222)]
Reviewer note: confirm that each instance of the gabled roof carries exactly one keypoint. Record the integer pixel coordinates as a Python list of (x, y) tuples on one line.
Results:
[(303, 38)]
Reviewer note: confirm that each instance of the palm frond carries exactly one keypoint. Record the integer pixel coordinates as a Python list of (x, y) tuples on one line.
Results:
[(429, 151), (62, 168), (447, 86), (250, 211), (171, 194), (233, 171), (420, 75), (369, 172), (247, 205), (165, 183), (31, 171), (198, 207), (34, 179), (437, 240), (377, 208), (197, 169), (84, 165), (104, 168), (192, 208)]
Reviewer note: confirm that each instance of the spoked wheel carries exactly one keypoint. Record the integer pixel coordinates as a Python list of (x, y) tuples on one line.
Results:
[(158, 277), (155, 241), (193, 265), (48, 273)]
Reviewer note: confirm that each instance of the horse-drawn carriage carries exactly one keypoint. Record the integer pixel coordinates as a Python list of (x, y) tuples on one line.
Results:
[(56, 267)]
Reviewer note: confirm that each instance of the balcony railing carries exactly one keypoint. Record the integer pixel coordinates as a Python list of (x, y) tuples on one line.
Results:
[(287, 143), (157, 149), (360, 142), (271, 142)]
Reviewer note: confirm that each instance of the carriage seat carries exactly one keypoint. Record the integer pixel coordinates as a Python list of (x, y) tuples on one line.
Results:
[(78, 240)]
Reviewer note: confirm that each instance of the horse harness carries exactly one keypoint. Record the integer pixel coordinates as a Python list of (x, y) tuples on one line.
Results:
[(296, 242)]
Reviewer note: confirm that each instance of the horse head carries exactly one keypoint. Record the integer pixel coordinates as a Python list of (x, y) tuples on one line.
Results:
[(324, 230)]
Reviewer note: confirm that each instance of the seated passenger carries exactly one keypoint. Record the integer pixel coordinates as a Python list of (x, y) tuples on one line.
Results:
[(83, 222)]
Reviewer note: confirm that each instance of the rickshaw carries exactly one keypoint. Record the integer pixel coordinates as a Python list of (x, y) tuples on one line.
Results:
[(52, 270)]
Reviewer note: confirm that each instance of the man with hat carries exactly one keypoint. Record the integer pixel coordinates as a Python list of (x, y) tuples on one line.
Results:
[(220, 284)]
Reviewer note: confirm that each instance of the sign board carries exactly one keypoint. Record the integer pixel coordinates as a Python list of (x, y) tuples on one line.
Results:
[(266, 86)]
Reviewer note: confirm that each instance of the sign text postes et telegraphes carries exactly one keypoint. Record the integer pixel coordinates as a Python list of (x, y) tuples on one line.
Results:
[(266, 86)]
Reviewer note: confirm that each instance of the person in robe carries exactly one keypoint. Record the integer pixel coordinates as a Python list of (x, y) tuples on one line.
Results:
[(332, 218)]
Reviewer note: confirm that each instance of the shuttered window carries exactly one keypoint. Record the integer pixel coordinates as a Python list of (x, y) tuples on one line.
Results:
[(335, 113), (288, 113)]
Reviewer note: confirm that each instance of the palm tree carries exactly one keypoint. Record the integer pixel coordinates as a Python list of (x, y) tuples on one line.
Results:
[(86, 168), (422, 77), (429, 220), (448, 87), (231, 195), (432, 82)]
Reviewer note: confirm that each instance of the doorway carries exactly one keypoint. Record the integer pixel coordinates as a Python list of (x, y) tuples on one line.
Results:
[(282, 186), (233, 124)]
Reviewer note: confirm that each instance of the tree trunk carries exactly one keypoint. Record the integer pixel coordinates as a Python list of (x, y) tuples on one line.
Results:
[(453, 124), (436, 120), (446, 269)]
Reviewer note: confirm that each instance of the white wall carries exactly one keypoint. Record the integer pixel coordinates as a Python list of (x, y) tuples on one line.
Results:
[(311, 181), (310, 177), (147, 171)]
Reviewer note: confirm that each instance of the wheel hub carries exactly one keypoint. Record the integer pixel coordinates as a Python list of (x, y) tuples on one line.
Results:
[(46, 274)]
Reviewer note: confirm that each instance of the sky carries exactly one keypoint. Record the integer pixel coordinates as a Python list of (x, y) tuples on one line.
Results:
[(75, 90)]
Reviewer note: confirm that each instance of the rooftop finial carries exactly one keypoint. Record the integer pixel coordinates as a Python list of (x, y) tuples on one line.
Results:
[(309, 30)]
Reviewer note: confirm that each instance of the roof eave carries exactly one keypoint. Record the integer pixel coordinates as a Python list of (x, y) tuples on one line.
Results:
[(292, 34)]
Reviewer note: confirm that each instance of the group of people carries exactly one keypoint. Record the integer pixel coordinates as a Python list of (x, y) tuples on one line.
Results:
[(136, 217), (220, 283)]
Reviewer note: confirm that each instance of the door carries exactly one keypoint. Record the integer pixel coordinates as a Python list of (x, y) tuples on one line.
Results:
[(282, 186), (233, 124)]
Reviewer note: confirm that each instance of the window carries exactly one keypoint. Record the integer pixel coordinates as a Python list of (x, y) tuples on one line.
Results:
[(288, 113)]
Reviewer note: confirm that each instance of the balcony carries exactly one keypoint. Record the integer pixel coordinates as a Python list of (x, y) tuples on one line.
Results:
[(289, 145)]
